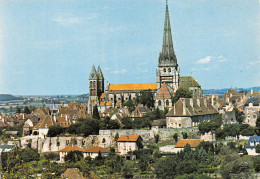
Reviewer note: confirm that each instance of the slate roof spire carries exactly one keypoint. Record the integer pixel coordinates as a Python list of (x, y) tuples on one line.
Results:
[(167, 56), (93, 73), (100, 72)]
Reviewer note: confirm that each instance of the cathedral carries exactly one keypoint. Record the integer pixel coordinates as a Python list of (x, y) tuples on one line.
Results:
[(168, 80)]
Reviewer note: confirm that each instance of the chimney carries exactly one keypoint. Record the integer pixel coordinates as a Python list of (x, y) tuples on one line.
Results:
[(191, 102), (252, 91), (205, 102), (54, 118), (184, 107), (198, 101), (212, 100), (53, 106), (23, 115), (174, 112), (66, 117)]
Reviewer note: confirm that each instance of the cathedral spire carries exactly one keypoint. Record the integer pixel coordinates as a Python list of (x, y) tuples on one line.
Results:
[(93, 73), (99, 71), (167, 56)]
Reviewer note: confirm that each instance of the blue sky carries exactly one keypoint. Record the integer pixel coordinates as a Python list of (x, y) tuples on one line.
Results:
[(49, 47)]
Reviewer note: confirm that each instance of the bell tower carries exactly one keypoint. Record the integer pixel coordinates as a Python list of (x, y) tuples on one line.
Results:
[(167, 71), (96, 87)]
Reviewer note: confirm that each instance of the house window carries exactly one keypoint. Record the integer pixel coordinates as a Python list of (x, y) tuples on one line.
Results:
[(159, 103), (164, 70), (167, 103), (169, 70)]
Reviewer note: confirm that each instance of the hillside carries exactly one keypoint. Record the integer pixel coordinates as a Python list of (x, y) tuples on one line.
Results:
[(9, 97)]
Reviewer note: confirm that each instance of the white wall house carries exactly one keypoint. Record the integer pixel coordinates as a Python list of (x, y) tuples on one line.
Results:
[(251, 145)]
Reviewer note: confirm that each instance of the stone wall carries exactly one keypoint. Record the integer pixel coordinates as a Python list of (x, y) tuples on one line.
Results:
[(106, 138), (165, 134)]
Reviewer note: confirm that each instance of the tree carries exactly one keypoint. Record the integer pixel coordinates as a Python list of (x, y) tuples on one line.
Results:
[(184, 135), (257, 129), (18, 110), (113, 124), (257, 148), (127, 172), (156, 138), (130, 104), (116, 136), (175, 136), (28, 155), (181, 93), (249, 131), (54, 131), (211, 126), (145, 98), (166, 168), (232, 130), (232, 165), (74, 156), (95, 112), (239, 116), (26, 110), (90, 127)]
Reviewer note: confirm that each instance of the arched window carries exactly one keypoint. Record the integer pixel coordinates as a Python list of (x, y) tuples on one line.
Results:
[(169, 70), (164, 70), (159, 103), (91, 84), (167, 103)]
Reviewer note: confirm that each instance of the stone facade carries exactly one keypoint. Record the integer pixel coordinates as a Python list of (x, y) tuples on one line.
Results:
[(189, 112)]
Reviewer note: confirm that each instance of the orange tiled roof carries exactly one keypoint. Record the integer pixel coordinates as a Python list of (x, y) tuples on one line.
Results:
[(193, 142), (164, 92), (102, 96), (72, 148), (124, 87), (118, 103), (109, 103), (101, 103), (128, 138), (97, 149)]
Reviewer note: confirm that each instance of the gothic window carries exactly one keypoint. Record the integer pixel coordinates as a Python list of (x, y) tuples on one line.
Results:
[(164, 70), (159, 103), (167, 103), (94, 83), (91, 84), (169, 70)]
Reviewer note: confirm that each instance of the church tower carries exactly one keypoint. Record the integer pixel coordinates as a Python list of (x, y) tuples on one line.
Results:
[(96, 87), (167, 71)]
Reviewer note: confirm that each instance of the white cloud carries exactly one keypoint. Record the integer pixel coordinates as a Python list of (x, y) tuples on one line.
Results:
[(209, 59), (254, 62), (121, 71), (67, 21), (205, 60), (72, 19)]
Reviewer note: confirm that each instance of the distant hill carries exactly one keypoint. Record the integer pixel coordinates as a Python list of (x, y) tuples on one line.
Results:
[(9, 97), (221, 92), (83, 96)]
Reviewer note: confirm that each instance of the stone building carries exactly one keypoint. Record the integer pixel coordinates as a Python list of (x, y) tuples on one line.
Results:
[(252, 110), (188, 112), (126, 143), (168, 80)]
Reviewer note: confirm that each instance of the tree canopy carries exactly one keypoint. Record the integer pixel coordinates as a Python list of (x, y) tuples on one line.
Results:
[(145, 98), (54, 131), (181, 93)]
